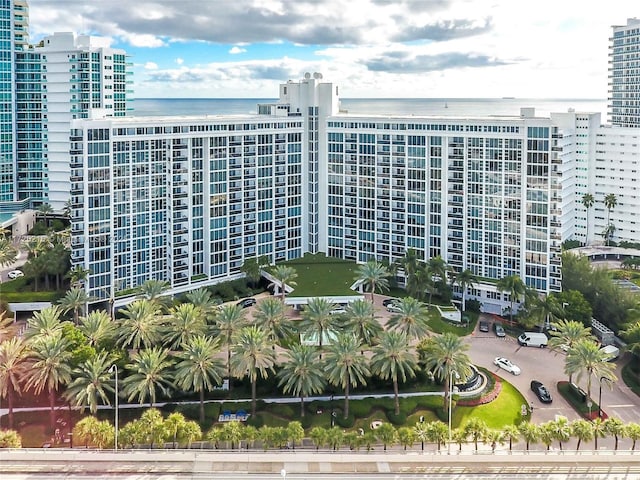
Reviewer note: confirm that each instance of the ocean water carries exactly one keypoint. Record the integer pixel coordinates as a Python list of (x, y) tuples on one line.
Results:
[(375, 106)]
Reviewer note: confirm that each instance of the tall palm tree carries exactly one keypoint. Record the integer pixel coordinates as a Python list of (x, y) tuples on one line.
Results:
[(392, 360), (514, 287), (582, 430), (446, 355), (46, 323), (476, 428), (561, 430), (317, 319), (424, 282), (411, 319), (45, 210), (465, 279), (199, 368), (155, 291), (610, 202), (202, 299), (409, 264), (344, 365), (150, 371), (49, 368), (586, 358), (284, 276), (614, 427), (75, 300), (8, 327), (301, 373), (91, 382), (374, 276), (530, 432), (97, 327), (361, 320), (185, 321), (229, 320), (439, 269), (8, 253), (77, 276), (567, 333), (271, 317), (252, 268), (252, 355), (632, 432), (511, 434), (13, 368), (141, 324), (545, 309), (587, 202)]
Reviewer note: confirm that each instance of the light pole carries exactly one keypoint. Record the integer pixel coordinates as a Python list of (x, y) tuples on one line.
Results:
[(600, 397), (114, 368), (450, 404)]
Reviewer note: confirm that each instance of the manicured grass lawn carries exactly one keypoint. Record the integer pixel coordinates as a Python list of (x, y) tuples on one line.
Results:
[(21, 290), (439, 325), (320, 276), (504, 410)]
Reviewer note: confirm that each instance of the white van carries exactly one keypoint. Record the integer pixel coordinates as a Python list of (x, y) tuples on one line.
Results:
[(533, 339), (611, 352)]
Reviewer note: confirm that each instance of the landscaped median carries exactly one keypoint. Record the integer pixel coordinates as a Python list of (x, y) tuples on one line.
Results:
[(579, 400)]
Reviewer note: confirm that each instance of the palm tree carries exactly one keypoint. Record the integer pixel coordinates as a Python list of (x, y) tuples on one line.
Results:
[(150, 371), (75, 299), (202, 299), (186, 321), (586, 358), (561, 430), (545, 309), (614, 427), (465, 279), (598, 431), (387, 434), (77, 276), (582, 430), (587, 202), (362, 321), (199, 369), (374, 276), (317, 319), (632, 432), (422, 433), (409, 264), (155, 291), (566, 334), (8, 253), (476, 428), (445, 355), (45, 210), (530, 432), (252, 355), (252, 268), (511, 433), (514, 287), (438, 269), (141, 325), (271, 317), (229, 320), (284, 276), (610, 202), (8, 327), (392, 360), (344, 365), (91, 382), (13, 368), (301, 373), (546, 433), (45, 323), (97, 327), (438, 433), (411, 318), (49, 368)]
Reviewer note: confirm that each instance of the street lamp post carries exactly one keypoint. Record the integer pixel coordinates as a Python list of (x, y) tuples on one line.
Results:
[(114, 368), (600, 397), (450, 404)]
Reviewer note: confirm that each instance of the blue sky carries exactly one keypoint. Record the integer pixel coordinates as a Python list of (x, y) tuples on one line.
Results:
[(370, 48)]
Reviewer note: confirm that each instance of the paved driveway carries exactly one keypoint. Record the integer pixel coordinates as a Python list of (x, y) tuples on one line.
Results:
[(547, 366)]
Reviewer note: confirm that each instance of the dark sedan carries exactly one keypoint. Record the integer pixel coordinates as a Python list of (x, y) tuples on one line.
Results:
[(246, 302), (541, 391)]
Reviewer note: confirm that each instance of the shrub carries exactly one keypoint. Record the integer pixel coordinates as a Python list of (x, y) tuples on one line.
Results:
[(399, 419), (360, 408), (306, 421), (345, 422), (473, 305), (256, 420)]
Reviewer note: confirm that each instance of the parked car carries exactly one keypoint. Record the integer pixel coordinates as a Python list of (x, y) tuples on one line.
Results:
[(541, 391), (338, 310), (394, 308), (611, 352), (507, 365), (388, 301), (499, 330), (246, 302), (483, 326), (15, 274), (533, 339)]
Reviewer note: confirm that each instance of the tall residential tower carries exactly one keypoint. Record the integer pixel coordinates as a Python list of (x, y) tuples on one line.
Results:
[(624, 74)]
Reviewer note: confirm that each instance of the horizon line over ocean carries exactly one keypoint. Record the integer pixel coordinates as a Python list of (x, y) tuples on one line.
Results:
[(375, 106)]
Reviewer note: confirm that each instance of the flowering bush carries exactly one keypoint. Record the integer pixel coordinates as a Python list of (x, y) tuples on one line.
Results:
[(486, 397)]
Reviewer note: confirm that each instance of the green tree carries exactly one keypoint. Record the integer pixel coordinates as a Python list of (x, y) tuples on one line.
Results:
[(599, 431), (410, 264), (151, 427), (271, 317), (421, 432), (561, 430), (465, 280), (587, 203), (610, 202), (75, 300), (335, 437), (199, 369), (438, 433), (174, 425), (632, 432), (155, 291), (44, 210), (301, 373), (546, 433), (91, 382), (232, 432), (77, 276), (45, 323), (530, 432), (392, 360), (8, 253), (438, 269), (295, 433), (252, 268), (252, 355), (614, 427), (141, 325), (85, 430), (98, 328), (582, 430), (586, 359), (374, 276), (150, 371), (317, 319), (344, 365), (10, 439), (566, 334), (514, 287), (446, 355), (411, 319), (13, 368), (511, 433), (186, 321), (228, 322), (202, 299), (49, 368), (387, 434), (318, 436), (284, 276), (362, 321), (476, 428)]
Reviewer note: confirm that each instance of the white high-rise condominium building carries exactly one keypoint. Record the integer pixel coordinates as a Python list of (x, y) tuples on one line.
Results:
[(624, 74)]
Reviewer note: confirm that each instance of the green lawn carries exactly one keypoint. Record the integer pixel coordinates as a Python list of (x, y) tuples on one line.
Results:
[(319, 276), (21, 290)]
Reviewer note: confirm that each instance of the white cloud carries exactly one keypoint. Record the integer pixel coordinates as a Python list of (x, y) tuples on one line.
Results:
[(179, 61), (236, 50), (150, 66)]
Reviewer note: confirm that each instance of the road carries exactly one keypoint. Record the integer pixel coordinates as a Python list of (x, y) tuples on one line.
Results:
[(20, 261)]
